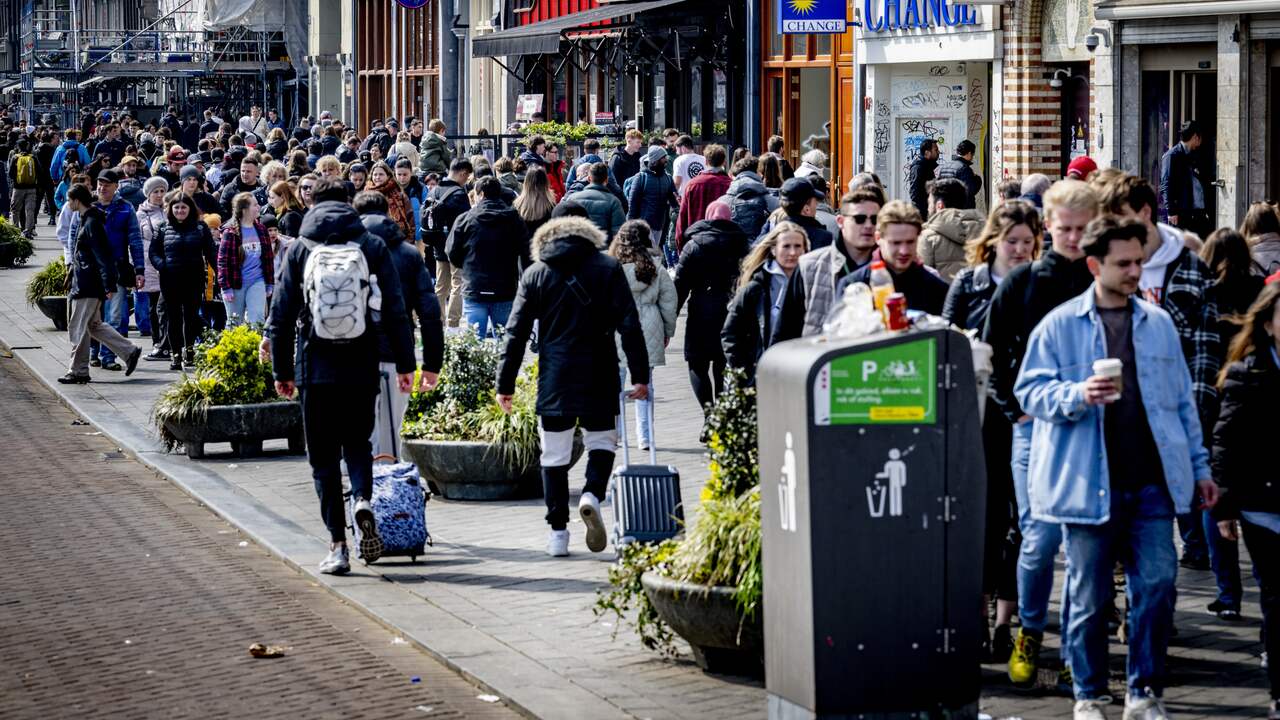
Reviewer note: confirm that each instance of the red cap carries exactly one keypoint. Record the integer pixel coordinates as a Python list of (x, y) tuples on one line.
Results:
[(1082, 167), (176, 154)]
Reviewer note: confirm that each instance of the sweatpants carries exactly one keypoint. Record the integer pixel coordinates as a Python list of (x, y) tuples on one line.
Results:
[(389, 411), (337, 420), (86, 322), (600, 437)]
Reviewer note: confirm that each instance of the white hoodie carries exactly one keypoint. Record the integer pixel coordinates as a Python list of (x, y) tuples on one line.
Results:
[(1155, 269)]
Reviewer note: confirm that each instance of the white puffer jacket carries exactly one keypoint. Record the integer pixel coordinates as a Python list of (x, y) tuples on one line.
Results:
[(656, 303), (150, 219)]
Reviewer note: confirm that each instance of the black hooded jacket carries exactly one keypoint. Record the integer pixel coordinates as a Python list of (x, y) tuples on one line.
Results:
[(314, 361), (490, 245), (705, 276), (93, 266), (580, 298), (419, 292)]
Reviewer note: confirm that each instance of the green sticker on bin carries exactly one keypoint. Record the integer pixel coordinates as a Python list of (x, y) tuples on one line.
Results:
[(892, 385)]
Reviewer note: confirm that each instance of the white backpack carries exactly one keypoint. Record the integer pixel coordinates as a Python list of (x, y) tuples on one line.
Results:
[(339, 291)]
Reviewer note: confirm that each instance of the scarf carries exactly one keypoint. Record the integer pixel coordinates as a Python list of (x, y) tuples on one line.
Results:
[(397, 204)]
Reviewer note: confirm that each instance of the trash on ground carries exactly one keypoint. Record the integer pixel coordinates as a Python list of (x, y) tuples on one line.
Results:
[(244, 543), (259, 650), (415, 679), (488, 698), (399, 641), (425, 708)]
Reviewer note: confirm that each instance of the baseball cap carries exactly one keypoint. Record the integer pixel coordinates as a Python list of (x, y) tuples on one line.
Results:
[(799, 190), (130, 159), (109, 176), (1082, 167), (176, 154)]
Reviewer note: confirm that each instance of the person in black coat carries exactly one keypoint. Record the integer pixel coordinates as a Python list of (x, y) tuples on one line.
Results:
[(1181, 192), (1244, 458), (897, 233), (419, 299), (920, 174), (180, 250), (338, 380), (445, 203), (489, 245), (579, 297), (960, 167), (705, 278), (762, 285)]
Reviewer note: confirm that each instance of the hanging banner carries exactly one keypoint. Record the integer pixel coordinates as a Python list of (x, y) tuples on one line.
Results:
[(817, 17)]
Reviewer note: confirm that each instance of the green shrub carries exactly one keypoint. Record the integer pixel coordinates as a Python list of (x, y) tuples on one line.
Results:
[(50, 280), (733, 448), (15, 248), (627, 595), (560, 133)]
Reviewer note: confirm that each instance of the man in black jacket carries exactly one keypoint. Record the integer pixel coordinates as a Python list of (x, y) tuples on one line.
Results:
[(1181, 191), (245, 181), (897, 234), (626, 160), (338, 381), (580, 299), (93, 281), (920, 174), (1023, 298), (446, 202), (489, 245), (960, 167), (420, 299)]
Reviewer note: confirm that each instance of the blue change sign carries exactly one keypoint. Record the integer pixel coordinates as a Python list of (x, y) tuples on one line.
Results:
[(884, 15), (412, 4), (818, 17)]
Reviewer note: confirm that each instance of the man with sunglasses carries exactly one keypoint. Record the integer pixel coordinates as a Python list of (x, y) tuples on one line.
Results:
[(897, 237), (812, 289)]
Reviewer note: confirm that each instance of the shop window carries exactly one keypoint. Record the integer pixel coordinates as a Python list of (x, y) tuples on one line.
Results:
[(695, 99), (815, 111), (821, 44), (775, 37), (799, 47)]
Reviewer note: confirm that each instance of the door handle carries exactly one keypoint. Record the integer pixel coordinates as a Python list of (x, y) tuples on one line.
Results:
[(1219, 183)]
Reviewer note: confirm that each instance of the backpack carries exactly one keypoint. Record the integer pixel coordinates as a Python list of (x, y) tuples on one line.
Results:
[(435, 217), (749, 212), (26, 170), (338, 290)]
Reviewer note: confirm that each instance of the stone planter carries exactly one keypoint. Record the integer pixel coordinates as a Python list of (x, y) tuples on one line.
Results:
[(244, 426), (707, 618), (463, 470), (54, 307)]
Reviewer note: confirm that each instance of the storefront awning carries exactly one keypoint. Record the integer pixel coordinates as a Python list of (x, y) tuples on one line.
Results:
[(1146, 9), (544, 37)]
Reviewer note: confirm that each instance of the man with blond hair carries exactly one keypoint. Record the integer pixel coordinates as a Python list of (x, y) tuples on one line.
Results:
[(1021, 301)]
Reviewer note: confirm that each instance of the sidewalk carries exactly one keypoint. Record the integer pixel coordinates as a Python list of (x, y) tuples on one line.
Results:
[(490, 604)]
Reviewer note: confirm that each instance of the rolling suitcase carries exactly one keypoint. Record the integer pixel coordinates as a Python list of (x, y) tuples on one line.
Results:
[(399, 507), (646, 498)]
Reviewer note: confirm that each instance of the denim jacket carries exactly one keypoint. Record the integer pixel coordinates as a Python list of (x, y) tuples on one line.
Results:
[(1067, 481)]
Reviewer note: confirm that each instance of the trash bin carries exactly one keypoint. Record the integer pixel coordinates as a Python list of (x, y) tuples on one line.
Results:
[(873, 492)]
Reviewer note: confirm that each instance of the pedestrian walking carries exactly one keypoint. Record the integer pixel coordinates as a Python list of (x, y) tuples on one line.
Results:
[(799, 201), (124, 238), (579, 298), (705, 278), (70, 149), (949, 228), (536, 200), (657, 304), (1242, 443), (1261, 227), (287, 208), (415, 193), (922, 172), (433, 153), (192, 183), (447, 202), (93, 281), (25, 181), (757, 305), (1182, 193), (488, 245), (897, 237), (604, 209), (625, 162), (245, 182), (960, 167), (710, 185), (1116, 454), (652, 195), (181, 249), (151, 218), (420, 300), (246, 275), (44, 158), (382, 180), (326, 349), (749, 200)]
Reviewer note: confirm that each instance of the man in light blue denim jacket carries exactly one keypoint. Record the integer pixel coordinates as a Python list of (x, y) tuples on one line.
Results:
[(1112, 459)]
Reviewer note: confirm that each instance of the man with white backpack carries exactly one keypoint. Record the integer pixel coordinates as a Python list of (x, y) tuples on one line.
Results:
[(337, 292)]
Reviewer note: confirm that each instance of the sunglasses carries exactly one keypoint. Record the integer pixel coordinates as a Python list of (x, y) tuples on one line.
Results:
[(861, 219), (307, 188)]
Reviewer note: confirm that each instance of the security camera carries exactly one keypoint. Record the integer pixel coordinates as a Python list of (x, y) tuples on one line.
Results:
[(1091, 42)]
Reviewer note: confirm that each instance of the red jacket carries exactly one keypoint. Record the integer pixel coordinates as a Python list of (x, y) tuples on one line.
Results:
[(555, 178), (701, 191)]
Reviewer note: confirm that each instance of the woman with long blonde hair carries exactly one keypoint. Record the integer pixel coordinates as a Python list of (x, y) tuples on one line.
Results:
[(748, 330), (536, 199)]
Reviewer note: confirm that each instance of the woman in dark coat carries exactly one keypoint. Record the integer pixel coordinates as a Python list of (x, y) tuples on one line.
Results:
[(180, 250), (1012, 237), (705, 277), (748, 330), (1243, 459)]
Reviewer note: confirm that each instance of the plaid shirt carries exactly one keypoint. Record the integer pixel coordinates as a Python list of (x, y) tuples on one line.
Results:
[(230, 263), (1186, 298)]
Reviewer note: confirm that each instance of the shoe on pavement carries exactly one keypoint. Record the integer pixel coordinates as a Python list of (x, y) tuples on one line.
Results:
[(1001, 642), (1066, 682), (95, 362), (175, 365), (1194, 563), (1224, 611), (370, 540), (589, 509), (156, 354), (131, 363), (643, 445), (73, 379), (1144, 707), (1024, 662), (113, 366), (337, 562), (1090, 710), (558, 543)]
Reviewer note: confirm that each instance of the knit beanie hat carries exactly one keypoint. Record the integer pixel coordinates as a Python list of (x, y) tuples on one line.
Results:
[(155, 183)]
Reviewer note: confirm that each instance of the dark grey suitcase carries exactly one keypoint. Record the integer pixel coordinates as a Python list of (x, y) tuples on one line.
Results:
[(646, 498)]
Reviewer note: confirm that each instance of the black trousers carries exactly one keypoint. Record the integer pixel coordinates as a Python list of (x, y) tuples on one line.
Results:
[(1264, 549), (182, 298), (707, 378), (555, 480), (337, 421)]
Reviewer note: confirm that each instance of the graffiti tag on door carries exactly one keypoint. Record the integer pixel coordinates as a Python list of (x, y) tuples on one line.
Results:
[(914, 131)]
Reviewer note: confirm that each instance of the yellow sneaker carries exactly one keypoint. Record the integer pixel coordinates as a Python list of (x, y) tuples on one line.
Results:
[(1024, 660)]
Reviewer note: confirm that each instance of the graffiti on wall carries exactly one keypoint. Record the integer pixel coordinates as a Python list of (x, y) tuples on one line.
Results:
[(911, 133), (937, 93), (881, 133)]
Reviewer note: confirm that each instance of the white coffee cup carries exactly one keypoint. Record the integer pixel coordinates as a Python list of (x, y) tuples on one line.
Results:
[(1114, 369)]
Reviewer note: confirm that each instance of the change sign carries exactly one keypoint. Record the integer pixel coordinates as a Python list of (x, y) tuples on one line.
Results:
[(812, 16), (896, 384)]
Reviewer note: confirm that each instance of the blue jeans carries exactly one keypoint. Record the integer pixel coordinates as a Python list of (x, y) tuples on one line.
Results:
[(1140, 532), (249, 305), (486, 316), (644, 432), (1224, 557), (1191, 530), (113, 312), (1040, 542), (142, 312)]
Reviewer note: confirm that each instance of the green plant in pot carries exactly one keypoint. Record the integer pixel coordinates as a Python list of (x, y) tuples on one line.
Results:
[(230, 397), (46, 291), (463, 443), (15, 248), (707, 586)]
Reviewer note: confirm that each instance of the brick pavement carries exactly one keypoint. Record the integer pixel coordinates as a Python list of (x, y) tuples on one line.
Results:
[(501, 612), (126, 598)]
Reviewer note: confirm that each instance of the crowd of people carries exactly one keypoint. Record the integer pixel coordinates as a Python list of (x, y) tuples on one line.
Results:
[(222, 223)]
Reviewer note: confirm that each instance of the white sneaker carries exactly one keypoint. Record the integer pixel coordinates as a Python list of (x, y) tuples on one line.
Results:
[(337, 562), (1144, 707), (558, 543), (589, 509), (1089, 710), (370, 540)]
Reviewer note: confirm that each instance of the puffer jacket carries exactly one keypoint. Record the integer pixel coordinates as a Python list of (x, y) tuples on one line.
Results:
[(131, 190), (579, 298), (651, 197), (602, 207), (150, 219), (656, 303), (705, 277), (962, 170), (182, 252), (490, 246), (750, 202), (123, 235), (433, 154), (1243, 437), (943, 239), (969, 298), (68, 150), (1266, 252), (93, 269), (748, 329)]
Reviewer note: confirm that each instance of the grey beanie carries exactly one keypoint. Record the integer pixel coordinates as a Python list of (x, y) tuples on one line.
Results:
[(189, 171), (654, 155), (153, 184)]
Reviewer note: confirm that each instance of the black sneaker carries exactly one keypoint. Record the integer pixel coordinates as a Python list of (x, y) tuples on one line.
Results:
[(1001, 643), (73, 379), (131, 363), (113, 366), (1195, 563), (370, 541), (175, 365), (156, 354), (1224, 611), (95, 362)]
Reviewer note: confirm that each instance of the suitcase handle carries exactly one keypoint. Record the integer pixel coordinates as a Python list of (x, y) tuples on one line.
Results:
[(626, 444)]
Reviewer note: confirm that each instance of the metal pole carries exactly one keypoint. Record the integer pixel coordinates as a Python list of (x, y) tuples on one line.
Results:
[(859, 104)]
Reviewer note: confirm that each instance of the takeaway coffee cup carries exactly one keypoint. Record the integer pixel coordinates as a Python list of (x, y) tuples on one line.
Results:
[(1114, 369)]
